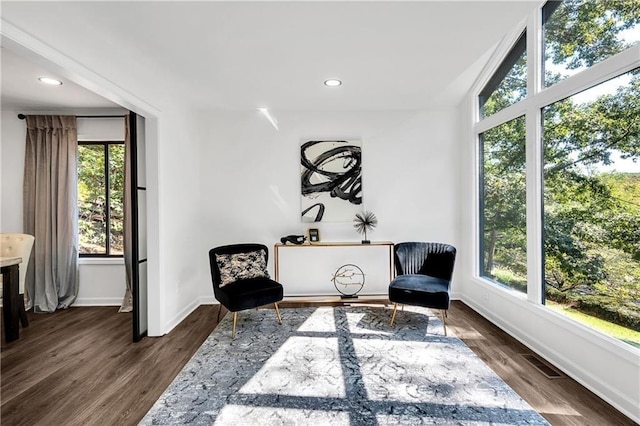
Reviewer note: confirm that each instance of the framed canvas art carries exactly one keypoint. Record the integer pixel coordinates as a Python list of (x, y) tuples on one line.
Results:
[(331, 180)]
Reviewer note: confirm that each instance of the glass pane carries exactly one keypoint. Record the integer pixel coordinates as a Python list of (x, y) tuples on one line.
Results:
[(116, 195), (503, 206), (592, 207), (580, 33), (92, 211), (509, 83)]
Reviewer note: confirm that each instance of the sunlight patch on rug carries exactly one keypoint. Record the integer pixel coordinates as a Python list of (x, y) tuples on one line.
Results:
[(413, 371), (321, 319), (337, 366), (302, 366), (238, 415)]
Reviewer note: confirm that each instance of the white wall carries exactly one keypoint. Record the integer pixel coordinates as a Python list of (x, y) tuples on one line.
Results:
[(180, 231), (250, 176), (102, 282), (190, 210), (12, 144), (171, 137)]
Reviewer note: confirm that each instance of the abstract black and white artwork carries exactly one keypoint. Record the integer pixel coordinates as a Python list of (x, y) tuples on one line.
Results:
[(331, 183)]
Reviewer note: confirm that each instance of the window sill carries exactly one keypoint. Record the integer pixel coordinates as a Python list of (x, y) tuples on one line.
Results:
[(503, 287), (101, 261)]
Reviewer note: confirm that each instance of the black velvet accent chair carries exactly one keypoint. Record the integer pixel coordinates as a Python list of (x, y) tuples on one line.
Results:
[(423, 276), (240, 279)]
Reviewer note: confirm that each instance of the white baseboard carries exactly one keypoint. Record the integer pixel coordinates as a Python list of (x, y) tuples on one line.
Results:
[(97, 301), (180, 316), (208, 300)]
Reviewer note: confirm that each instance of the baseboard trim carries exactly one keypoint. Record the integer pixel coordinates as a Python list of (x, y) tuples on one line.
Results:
[(180, 316), (97, 301)]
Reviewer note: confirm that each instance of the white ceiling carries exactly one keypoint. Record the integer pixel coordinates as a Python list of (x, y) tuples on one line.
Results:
[(245, 55), (21, 90)]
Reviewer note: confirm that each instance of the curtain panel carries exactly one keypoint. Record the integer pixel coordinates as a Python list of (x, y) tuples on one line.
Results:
[(51, 210)]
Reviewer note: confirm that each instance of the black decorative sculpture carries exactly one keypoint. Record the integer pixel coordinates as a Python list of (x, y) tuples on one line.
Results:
[(348, 280), (365, 221), (294, 239)]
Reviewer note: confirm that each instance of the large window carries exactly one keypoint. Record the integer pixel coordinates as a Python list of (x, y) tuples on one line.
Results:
[(568, 169), (509, 83), (503, 222), (581, 33), (100, 198), (592, 205)]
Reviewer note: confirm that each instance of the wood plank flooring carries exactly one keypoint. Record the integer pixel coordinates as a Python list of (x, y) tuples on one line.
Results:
[(79, 367), (562, 401)]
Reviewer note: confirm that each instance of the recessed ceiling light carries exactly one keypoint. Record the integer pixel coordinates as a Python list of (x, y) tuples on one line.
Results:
[(51, 81), (332, 82)]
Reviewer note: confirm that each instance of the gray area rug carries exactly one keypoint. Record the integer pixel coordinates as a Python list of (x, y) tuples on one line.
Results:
[(337, 366)]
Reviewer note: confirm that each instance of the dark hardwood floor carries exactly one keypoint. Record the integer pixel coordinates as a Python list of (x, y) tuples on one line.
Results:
[(79, 366)]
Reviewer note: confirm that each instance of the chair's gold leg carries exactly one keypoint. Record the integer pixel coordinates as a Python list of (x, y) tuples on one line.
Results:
[(235, 319), (278, 313), (393, 316), (443, 314)]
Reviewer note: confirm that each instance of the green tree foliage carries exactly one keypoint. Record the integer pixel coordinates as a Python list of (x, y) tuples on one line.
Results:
[(504, 197), (591, 218), (92, 198), (512, 89), (116, 195), (584, 32)]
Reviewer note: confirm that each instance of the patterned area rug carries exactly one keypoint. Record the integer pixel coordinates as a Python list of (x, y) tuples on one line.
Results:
[(337, 366)]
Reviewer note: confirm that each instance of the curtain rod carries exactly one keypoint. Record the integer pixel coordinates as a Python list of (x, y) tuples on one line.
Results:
[(22, 116)]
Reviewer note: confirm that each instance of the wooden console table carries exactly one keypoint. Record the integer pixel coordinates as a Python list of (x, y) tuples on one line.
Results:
[(306, 271)]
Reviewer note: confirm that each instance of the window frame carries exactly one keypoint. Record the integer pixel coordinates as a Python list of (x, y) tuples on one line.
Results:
[(480, 189), (538, 96), (105, 144), (510, 59)]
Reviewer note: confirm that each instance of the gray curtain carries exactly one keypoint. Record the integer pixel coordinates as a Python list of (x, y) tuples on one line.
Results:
[(51, 210), (127, 301)]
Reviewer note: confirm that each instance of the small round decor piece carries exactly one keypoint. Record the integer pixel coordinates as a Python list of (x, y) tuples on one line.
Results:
[(348, 280)]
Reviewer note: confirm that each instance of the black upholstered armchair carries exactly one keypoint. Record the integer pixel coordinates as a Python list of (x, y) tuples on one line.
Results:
[(423, 276), (240, 279)]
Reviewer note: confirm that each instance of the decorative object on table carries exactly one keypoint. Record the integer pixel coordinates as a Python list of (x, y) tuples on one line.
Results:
[(293, 239), (331, 180), (314, 235), (423, 276), (306, 270), (348, 280), (241, 281), (365, 221)]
